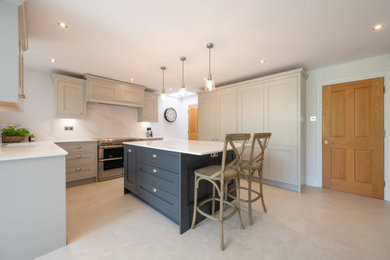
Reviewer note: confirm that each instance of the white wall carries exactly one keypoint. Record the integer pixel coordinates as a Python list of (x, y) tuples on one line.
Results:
[(358, 70), (101, 121)]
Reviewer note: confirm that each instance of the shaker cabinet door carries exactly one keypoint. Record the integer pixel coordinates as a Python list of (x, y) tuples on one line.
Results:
[(207, 116), (69, 97)]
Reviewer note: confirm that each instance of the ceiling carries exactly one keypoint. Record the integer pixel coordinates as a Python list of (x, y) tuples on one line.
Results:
[(123, 39)]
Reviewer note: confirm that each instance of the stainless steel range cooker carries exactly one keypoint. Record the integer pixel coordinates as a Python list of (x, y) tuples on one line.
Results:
[(110, 157)]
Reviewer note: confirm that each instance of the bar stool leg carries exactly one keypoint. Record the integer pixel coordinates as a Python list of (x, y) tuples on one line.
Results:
[(221, 202), (250, 196), (195, 201), (213, 203), (261, 190), (237, 181)]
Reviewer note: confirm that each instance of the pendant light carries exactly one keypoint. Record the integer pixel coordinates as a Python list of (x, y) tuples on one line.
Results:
[(182, 91), (209, 84), (163, 68)]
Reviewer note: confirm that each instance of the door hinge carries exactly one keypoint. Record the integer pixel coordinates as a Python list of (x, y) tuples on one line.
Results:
[(384, 183), (384, 89), (384, 133)]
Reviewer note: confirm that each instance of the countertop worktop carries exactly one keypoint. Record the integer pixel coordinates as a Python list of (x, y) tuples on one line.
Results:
[(182, 146), (18, 151), (97, 139)]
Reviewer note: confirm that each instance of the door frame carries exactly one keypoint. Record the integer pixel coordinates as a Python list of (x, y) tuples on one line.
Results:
[(386, 113)]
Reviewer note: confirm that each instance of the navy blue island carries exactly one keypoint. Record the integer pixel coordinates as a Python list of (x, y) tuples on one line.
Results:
[(161, 174)]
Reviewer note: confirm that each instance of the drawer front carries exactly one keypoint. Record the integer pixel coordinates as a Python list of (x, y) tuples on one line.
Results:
[(82, 159), (166, 180), (162, 159), (79, 147), (79, 173), (160, 199)]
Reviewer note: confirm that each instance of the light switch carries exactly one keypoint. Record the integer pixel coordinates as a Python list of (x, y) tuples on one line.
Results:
[(313, 118)]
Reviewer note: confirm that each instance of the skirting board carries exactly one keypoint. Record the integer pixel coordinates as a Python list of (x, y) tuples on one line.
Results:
[(279, 184)]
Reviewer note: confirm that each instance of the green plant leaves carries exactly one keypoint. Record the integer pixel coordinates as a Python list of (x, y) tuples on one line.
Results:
[(13, 131)]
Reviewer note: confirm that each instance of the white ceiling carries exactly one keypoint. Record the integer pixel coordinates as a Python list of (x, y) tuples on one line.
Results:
[(124, 39)]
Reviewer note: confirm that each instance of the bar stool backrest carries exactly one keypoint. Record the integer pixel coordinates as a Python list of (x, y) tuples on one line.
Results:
[(232, 140), (262, 140)]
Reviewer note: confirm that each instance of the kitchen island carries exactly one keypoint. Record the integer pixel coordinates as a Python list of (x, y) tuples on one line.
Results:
[(161, 173)]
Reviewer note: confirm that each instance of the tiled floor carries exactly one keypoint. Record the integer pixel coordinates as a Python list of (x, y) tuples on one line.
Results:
[(103, 223)]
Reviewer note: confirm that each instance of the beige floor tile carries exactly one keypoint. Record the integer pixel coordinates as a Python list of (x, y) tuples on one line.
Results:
[(103, 223)]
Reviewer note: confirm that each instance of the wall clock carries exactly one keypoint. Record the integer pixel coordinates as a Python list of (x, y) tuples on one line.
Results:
[(170, 114)]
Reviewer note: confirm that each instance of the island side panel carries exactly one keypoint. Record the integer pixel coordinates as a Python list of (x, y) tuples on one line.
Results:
[(129, 169), (189, 163)]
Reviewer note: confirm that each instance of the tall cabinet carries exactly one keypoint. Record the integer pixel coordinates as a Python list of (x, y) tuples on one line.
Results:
[(273, 104)]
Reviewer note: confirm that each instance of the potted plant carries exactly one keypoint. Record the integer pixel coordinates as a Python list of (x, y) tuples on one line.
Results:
[(31, 138), (12, 134)]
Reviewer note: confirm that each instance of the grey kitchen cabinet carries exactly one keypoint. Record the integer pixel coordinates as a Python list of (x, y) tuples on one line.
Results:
[(13, 41), (69, 96), (81, 162), (273, 103), (149, 112), (109, 91)]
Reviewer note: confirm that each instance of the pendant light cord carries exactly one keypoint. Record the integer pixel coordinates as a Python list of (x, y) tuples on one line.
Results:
[(163, 79), (182, 72), (210, 62)]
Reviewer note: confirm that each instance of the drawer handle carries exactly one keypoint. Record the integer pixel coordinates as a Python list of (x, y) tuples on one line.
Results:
[(78, 169), (154, 189), (154, 155), (129, 150), (154, 170), (78, 156)]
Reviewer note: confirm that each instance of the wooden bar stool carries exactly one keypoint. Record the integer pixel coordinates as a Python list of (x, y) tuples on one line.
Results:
[(219, 177), (248, 168)]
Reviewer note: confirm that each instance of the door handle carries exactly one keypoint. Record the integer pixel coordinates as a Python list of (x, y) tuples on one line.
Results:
[(327, 142)]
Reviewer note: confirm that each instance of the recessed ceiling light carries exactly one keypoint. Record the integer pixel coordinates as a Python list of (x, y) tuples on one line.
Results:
[(52, 60), (378, 27), (132, 80), (62, 25), (170, 89), (262, 61)]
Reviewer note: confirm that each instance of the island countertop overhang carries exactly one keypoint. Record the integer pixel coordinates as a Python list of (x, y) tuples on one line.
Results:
[(193, 147)]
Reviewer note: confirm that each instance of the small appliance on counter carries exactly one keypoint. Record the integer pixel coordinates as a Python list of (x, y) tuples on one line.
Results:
[(149, 132)]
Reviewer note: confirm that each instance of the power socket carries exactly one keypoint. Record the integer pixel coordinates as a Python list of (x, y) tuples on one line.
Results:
[(68, 128)]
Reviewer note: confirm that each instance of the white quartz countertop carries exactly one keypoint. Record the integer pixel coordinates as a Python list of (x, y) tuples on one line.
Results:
[(182, 146), (18, 151)]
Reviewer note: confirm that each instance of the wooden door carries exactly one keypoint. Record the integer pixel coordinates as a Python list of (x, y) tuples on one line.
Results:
[(353, 137), (193, 122)]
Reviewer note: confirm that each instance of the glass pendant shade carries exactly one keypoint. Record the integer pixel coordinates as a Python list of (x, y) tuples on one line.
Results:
[(209, 84)]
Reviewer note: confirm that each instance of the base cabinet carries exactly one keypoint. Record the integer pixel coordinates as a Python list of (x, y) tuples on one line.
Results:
[(165, 181), (81, 162)]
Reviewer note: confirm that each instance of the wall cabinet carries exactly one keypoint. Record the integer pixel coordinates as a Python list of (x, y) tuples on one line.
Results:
[(268, 104), (149, 113), (13, 40), (69, 96), (109, 91)]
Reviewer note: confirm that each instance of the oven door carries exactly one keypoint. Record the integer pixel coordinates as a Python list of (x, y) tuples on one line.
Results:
[(110, 162)]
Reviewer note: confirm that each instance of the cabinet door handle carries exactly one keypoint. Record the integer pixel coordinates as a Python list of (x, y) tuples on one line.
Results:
[(78, 156), (154, 189), (78, 169), (154, 155), (154, 170)]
